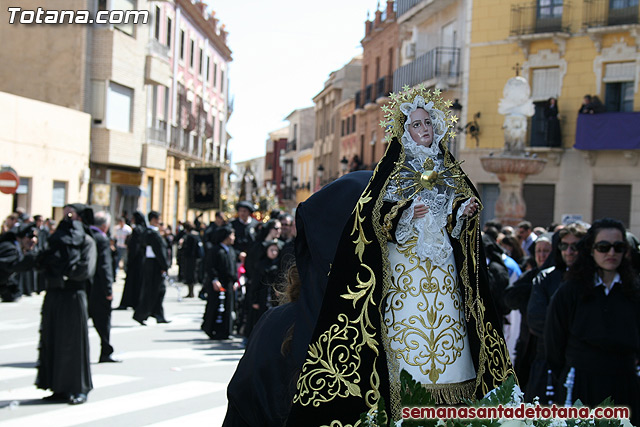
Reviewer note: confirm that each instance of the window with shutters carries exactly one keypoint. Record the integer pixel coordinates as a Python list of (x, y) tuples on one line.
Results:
[(612, 201), (540, 202)]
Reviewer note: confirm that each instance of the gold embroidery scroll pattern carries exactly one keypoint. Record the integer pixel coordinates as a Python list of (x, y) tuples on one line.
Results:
[(388, 218), (331, 368), (328, 373), (439, 338)]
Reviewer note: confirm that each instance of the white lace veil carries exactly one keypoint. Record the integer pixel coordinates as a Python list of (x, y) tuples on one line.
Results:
[(438, 121)]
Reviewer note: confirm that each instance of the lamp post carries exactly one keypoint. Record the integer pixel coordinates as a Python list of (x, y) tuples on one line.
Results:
[(319, 173), (344, 165)]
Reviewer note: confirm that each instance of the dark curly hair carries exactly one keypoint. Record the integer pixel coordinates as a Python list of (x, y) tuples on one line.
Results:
[(584, 269)]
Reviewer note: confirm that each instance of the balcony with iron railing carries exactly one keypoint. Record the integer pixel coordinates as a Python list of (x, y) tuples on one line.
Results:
[(405, 5), (291, 146), (605, 13), (158, 134), (441, 62), (531, 18), (368, 95), (384, 86), (358, 100)]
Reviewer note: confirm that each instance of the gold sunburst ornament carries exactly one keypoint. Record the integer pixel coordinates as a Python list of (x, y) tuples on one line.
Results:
[(408, 179)]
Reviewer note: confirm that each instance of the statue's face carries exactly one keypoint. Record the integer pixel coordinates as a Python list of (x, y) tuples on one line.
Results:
[(420, 127)]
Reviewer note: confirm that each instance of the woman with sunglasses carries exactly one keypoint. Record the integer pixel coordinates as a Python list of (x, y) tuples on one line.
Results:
[(593, 323)]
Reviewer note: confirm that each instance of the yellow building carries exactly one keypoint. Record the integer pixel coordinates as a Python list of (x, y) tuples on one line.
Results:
[(565, 51)]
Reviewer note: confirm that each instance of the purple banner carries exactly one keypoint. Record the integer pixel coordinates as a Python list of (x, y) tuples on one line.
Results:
[(608, 131)]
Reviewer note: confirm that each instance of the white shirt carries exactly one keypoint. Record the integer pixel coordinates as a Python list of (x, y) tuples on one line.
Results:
[(121, 235), (149, 252), (600, 282)]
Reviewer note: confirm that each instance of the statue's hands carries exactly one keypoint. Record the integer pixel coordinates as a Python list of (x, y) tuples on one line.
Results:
[(420, 210), (471, 208)]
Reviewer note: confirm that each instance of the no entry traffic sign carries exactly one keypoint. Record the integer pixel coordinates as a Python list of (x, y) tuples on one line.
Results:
[(9, 181)]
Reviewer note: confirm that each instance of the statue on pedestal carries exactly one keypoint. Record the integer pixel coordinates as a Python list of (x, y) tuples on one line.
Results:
[(516, 106)]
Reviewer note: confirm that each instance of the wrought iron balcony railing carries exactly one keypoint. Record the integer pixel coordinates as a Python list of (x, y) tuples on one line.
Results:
[(534, 18), (438, 62), (384, 86), (603, 13), (368, 94), (405, 5)]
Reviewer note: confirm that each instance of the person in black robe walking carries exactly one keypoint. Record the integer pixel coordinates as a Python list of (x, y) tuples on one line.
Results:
[(17, 254), (244, 227), (100, 292), (192, 251), (69, 264), (221, 272), (593, 323), (135, 262), (156, 265)]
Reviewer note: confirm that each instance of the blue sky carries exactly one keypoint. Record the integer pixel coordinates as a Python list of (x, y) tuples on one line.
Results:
[(283, 52)]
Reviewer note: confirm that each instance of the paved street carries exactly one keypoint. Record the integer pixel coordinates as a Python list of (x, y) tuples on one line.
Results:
[(171, 375)]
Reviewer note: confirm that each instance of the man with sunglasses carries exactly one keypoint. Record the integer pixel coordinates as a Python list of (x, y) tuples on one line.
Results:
[(546, 283)]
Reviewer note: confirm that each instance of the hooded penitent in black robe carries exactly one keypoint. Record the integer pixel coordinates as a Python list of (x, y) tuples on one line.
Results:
[(346, 368), (63, 362), (261, 391), (136, 247)]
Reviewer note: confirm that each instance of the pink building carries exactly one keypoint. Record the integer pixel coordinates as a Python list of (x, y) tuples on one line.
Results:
[(188, 111)]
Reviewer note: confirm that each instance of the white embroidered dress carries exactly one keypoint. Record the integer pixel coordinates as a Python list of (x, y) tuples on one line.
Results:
[(424, 314)]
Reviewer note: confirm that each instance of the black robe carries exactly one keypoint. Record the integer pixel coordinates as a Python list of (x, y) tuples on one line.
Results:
[(153, 287), (262, 387), (516, 297), (135, 262), (191, 251), (63, 362), (543, 287), (100, 290), (220, 265), (599, 336), (12, 263)]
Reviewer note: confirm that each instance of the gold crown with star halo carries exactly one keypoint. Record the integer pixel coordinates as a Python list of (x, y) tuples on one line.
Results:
[(410, 180), (394, 117)]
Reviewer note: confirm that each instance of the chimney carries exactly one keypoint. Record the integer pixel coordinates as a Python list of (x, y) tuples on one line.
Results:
[(213, 21), (367, 25), (390, 13), (378, 20), (201, 6), (223, 33)]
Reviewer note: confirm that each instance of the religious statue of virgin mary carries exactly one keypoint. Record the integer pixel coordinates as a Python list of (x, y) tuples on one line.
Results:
[(407, 289)]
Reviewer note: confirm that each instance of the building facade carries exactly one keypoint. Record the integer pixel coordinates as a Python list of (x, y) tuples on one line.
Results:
[(379, 61), (156, 90), (341, 85), (48, 146), (298, 171), (565, 50), (188, 106), (434, 49)]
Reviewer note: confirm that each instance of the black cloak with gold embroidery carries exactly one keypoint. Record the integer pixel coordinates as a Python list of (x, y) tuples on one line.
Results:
[(345, 372)]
